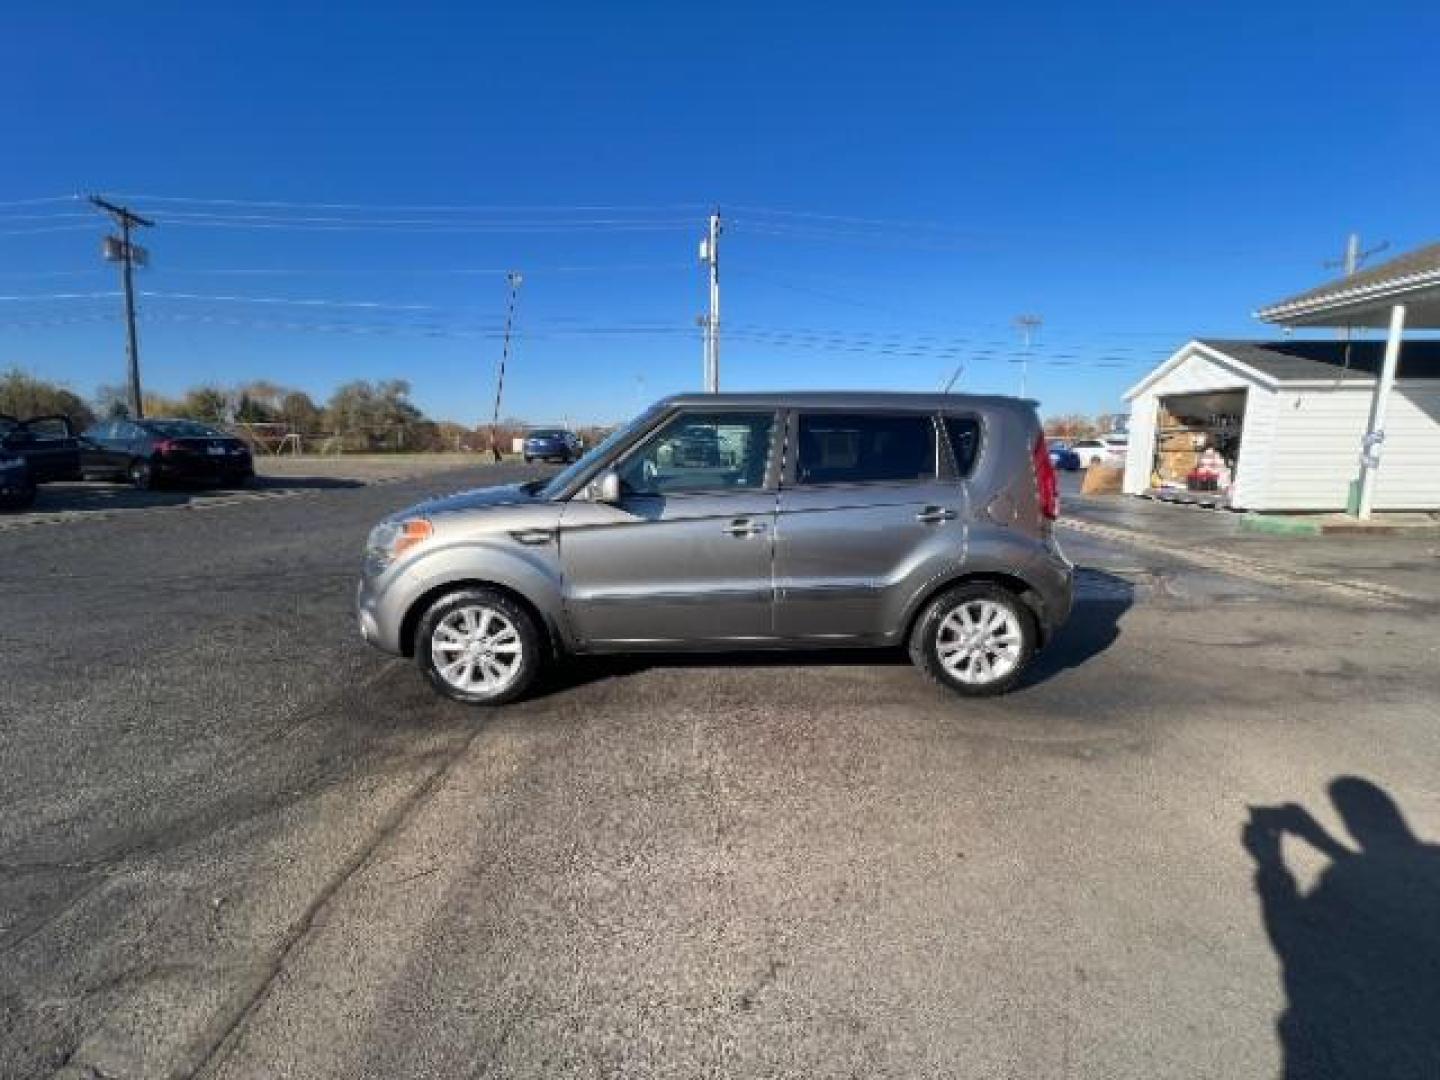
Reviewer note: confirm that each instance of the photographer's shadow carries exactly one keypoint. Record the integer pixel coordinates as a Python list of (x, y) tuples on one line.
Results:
[(1361, 950)]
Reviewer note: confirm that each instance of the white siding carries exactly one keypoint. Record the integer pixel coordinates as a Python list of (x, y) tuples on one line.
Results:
[(1257, 447), (1318, 433), (1141, 452)]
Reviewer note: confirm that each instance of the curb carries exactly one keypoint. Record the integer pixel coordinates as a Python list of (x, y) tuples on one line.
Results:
[(1279, 526)]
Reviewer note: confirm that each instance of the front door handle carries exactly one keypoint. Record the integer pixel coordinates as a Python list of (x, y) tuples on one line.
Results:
[(933, 515), (744, 527)]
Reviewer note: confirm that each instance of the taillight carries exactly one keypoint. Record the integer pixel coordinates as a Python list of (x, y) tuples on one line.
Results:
[(167, 446), (1047, 487)]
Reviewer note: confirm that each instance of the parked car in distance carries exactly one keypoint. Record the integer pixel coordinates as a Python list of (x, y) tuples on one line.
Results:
[(1062, 456), (148, 453), (47, 445), (551, 444), (819, 520), (1089, 451), (17, 486)]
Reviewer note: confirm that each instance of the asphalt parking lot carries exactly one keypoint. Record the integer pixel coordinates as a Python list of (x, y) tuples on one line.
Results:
[(235, 842)]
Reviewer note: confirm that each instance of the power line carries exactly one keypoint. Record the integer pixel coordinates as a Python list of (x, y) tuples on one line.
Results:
[(52, 229), (41, 201), (297, 301), (431, 271), (62, 296), (401, 208), (426, 228)]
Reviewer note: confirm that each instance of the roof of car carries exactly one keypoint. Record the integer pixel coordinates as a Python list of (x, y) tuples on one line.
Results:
[(851, 399)]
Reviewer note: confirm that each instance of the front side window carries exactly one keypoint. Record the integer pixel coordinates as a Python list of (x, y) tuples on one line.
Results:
[(859, 448), (701, 452)]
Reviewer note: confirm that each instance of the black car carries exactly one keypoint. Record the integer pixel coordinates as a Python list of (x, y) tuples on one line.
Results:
[(47, 445), (152, 452), (552, 444), (17, 485)]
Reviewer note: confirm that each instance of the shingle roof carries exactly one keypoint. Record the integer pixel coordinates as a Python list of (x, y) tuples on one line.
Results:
[(1303, 361), (1404, 274)]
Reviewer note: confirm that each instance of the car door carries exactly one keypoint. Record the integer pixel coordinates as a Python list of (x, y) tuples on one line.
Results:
[(114, 442), (684, 557), (51, 448), (870, 511)]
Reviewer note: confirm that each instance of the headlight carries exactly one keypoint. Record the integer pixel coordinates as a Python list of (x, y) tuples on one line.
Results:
[(9, 462), (391, 539)]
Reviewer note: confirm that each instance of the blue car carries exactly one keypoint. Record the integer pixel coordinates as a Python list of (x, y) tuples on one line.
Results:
[(1062, 456), (552, 444)]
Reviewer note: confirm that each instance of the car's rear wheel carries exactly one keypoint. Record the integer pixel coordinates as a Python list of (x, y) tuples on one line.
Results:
[(479, 647), (141, 475), (975, 639)]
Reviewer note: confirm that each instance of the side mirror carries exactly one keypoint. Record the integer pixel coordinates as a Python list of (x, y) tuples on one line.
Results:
[(605, 488)]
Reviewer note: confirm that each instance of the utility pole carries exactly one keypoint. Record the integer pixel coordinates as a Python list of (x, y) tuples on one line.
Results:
[(1027, 325), (120, 249), (514, 279), (1353, 260), (710, 257)]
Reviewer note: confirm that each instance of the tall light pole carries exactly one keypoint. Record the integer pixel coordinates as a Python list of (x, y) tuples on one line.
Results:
[(514, 279), (710, 257), (127, 253), (1027, 325)]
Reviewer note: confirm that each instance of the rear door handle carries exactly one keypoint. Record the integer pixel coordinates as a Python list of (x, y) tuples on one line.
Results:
[(933, 515), (745, 527)]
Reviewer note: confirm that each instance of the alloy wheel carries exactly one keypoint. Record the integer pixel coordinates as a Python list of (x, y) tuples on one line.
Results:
[(979, 642), (477, 650)]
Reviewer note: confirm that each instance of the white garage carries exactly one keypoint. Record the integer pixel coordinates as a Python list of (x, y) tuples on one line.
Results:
[(1282, 424)]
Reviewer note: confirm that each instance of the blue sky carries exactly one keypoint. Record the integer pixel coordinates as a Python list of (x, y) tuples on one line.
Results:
[(900, 181)]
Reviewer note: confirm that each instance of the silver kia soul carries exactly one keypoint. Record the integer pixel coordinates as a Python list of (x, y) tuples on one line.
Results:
[(741, 521)]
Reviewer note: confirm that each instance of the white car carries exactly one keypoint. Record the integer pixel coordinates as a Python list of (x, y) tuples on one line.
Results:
[(1089, 451)]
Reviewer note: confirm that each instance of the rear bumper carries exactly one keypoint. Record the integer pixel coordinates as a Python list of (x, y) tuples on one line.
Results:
[(201, 469)]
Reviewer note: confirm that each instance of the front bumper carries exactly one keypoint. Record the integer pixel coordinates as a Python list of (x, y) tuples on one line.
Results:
[(368, 620)]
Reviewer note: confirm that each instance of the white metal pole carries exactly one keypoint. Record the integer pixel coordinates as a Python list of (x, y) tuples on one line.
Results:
[(1379, 405)]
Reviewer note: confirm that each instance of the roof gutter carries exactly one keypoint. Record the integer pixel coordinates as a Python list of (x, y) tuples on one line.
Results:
[(1345, 298)]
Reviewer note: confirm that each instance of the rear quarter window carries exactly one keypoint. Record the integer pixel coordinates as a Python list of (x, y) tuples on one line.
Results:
[(963, 434)]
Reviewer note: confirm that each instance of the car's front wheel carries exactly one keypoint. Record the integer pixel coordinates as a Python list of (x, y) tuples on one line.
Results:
[(975, 639), (479, 647)]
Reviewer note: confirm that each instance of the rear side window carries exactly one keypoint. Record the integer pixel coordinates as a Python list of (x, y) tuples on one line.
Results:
[(858, 448), (963, 433)]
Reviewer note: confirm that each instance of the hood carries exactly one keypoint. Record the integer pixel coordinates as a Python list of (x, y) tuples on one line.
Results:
[(479, 498)]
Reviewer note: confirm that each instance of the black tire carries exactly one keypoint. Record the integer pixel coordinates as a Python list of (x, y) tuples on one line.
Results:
[(19, 499), (925, 640), (529, 636), (141, 475), (528, 459)]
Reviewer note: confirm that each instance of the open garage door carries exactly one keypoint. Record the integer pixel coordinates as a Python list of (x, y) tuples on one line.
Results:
[(1197, 446)]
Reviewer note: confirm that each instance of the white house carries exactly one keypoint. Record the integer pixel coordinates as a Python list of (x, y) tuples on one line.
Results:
[(1290, 418), (1303, 425)]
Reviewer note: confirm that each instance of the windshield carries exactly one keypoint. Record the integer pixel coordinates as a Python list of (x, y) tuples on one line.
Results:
[(565, 477), (182, 429)]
